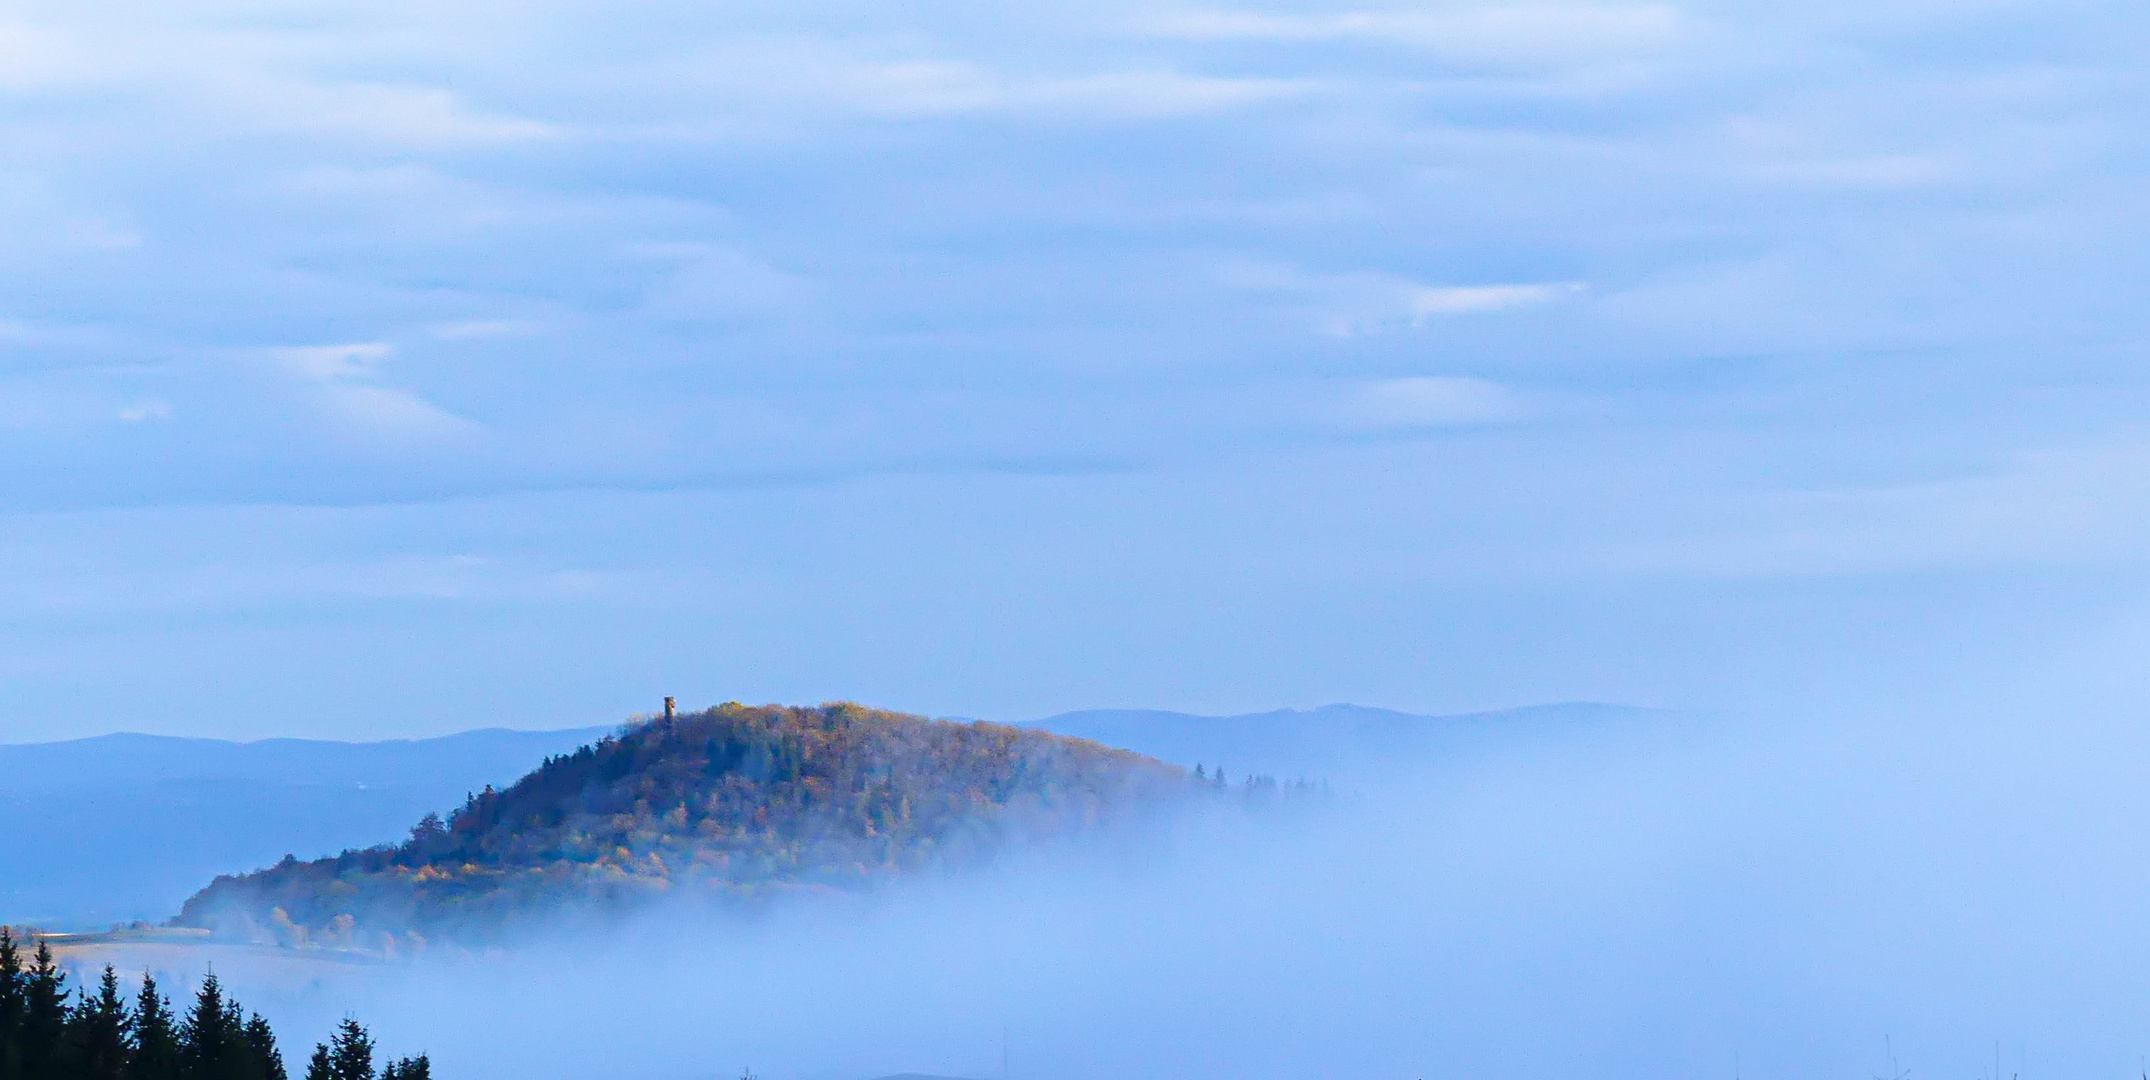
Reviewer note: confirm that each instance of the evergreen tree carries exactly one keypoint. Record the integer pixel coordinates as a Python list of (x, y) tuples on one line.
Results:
[(11, 1006), (98, 1032), (206, 1036), (235, 1061), (417, 1068), (213, 1043), (263, 1060), (155, 1053), (351, 1052), (44, 1017), (322, 1067)]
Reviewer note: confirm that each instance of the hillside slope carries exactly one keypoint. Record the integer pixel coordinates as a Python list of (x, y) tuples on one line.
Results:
[(734, 801)]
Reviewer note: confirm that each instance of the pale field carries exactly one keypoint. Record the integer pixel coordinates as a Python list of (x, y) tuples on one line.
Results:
[(178, 964)]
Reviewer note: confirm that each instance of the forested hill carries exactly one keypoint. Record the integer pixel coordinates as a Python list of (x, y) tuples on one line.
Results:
[(732, 802)]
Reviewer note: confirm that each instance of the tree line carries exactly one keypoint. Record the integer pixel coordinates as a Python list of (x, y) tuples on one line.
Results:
[(100, 1035)]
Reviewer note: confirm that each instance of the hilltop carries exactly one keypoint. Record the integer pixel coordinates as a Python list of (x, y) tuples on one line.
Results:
[(734, 802)]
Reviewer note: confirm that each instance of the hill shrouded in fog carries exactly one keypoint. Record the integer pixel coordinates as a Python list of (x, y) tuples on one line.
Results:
[(125, 827), (733, 802)]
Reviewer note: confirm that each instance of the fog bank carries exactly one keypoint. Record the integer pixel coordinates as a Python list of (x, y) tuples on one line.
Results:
[(1785, 896)]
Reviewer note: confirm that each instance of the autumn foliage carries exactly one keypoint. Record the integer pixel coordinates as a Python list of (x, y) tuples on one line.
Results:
[(731, 803)]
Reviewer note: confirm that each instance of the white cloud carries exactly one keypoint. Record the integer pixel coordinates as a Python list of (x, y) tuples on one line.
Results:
[(1348, 305), (362, 165), (403, 114), (721, 284), (1429, 401), (1157, 93), (812, 75), (72, 403), (341, 383), (1503, 33), (20, 333), (917, 87), (328, 363), (39, 217), (396, 414), (146, 410), (38, 59), (482, 329), (2081, 506), (1876, 171), (215, 76), (183, 560), (1470, 299)]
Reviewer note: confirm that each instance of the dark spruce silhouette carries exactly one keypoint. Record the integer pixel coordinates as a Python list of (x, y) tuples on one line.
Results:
[(734, 802), (49, 1031)]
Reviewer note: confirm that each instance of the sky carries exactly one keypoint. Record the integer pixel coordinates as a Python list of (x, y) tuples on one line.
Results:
[(391, 369)]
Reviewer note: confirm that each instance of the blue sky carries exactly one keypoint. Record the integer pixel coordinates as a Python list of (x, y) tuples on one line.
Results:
[(393, 368)]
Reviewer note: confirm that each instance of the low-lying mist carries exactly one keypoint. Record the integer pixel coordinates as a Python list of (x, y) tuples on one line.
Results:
[(1864, 893)]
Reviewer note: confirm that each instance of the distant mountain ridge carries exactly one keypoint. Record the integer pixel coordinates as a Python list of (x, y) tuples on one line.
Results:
[(128, 758), (123, 827), (1333, 740)]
